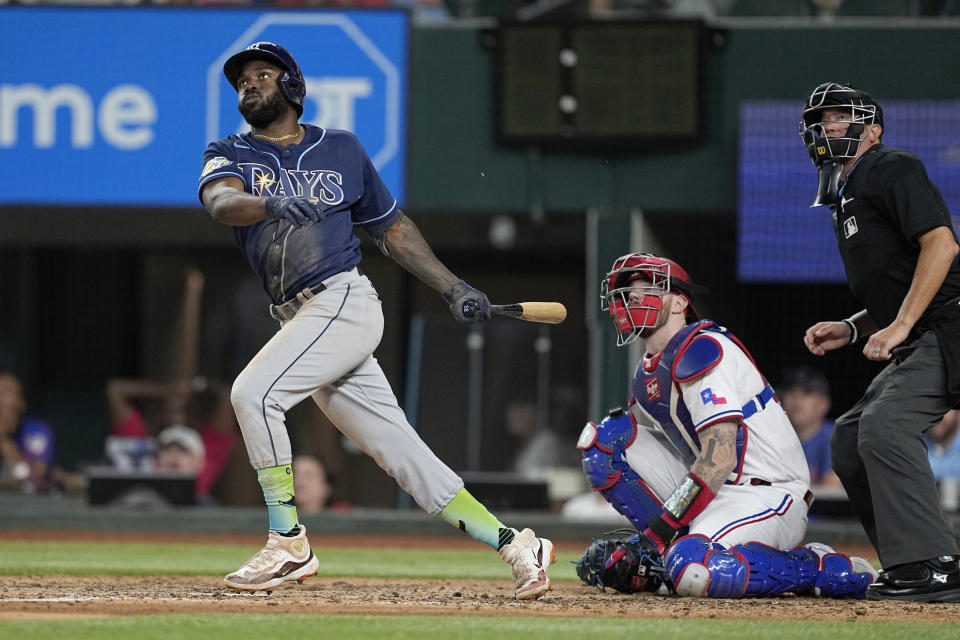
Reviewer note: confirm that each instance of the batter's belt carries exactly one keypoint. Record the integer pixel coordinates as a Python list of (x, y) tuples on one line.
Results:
[(285, 312)]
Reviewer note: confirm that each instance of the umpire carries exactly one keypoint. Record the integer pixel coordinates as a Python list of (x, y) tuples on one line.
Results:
[(900, 254)]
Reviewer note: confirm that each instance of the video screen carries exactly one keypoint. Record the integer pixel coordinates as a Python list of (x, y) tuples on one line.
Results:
[(779, 237)]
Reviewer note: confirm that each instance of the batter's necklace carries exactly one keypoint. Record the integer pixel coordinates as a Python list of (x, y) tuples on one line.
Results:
[(281, 138)]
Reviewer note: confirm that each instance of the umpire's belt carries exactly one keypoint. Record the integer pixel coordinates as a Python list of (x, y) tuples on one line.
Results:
[(759, 402), (285, 312)]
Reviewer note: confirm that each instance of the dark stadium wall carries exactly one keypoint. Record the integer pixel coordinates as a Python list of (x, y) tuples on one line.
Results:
[(456, 165)]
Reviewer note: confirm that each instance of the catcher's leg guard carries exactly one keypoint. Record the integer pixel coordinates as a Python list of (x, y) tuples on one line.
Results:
[(838, 576), (698, 567), (603, 448)]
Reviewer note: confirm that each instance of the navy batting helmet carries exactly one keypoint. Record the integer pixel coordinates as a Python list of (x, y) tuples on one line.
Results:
[(291, 82)]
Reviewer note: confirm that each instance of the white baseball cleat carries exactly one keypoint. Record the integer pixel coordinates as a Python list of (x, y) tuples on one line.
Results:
[(529, 557), (282, 560)]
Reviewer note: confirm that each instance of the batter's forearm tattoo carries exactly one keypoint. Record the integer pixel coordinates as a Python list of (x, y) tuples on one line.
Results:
[(381, 241), (718, 455), (406, 245)]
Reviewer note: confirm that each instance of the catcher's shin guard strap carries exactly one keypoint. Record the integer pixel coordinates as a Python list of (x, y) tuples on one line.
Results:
[(686, 503)]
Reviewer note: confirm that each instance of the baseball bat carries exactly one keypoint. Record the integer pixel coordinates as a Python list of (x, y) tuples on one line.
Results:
[(544, 312)]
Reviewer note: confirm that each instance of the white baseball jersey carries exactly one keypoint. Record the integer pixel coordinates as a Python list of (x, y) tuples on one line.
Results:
[(763, 499), (771, 449)]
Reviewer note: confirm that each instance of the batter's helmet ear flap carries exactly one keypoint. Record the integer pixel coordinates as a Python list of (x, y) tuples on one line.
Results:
[(291, 82)]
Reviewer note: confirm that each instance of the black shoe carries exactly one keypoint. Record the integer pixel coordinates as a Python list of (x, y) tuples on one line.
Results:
[(935, 580)]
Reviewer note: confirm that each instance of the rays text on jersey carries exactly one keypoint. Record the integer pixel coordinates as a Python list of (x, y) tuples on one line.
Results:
[(317, 185)]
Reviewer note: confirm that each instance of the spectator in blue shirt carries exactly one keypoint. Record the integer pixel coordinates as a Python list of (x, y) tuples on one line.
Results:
[(943, 447), (26, 444), (805, 395)]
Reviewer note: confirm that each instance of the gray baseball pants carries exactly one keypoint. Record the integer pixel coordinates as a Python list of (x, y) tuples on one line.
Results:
[(325, 352), (879, 453)]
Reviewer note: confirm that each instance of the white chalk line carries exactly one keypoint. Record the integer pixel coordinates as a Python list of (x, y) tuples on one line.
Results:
[(192, 597)]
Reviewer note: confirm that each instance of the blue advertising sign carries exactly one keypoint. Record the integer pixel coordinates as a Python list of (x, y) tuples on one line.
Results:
[(124, 119), (780, 238)]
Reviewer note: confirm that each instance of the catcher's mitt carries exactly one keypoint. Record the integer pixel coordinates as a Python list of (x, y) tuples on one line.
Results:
[(629, 565)]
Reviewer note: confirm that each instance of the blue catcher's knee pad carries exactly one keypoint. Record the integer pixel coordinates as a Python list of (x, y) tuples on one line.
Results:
[(698, 567)]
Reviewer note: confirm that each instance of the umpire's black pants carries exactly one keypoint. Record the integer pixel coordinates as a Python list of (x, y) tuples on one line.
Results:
[(879, 454)]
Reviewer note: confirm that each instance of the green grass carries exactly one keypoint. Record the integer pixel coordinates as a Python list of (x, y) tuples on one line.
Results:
[(81, 559), (129, 559), (258, 627)]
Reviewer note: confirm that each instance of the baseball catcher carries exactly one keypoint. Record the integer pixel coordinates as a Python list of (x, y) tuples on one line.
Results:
[(717, 486)]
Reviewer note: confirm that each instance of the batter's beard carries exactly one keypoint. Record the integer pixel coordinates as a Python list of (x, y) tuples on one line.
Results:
[(265, 111)]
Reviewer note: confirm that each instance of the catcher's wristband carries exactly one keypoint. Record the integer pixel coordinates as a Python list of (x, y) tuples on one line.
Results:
[(854, 333), (684, 504)]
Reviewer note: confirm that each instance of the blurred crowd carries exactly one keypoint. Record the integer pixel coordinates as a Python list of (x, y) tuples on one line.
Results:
[(188, 429), (156, 430)]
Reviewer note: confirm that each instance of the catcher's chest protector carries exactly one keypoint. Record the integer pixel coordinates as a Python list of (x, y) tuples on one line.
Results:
[(655, 393)]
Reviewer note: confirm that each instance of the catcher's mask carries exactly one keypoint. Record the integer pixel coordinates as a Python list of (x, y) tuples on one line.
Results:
[(291, 81), (657, 277), (828, 153)]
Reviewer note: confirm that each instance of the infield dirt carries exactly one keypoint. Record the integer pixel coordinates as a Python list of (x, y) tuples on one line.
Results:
[(52, 597)]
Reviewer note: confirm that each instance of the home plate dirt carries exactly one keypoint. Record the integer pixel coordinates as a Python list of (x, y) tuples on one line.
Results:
[(55, 597), (49, 597)]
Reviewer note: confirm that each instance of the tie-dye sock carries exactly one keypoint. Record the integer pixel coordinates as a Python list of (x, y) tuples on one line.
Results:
[(471, 517), (277, 484)]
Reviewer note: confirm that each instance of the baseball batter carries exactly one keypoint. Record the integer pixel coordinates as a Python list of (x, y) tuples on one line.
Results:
[(719, 486), (294, 195)]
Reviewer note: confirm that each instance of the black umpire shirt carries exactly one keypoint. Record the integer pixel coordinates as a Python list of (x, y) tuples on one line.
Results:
[(887, 202)]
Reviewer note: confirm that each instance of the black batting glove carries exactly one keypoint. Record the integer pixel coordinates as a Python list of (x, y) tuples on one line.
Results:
[(295, 209), (468, 305)]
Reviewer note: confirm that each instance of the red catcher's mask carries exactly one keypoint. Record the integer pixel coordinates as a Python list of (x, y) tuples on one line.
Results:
[(657, 277)]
